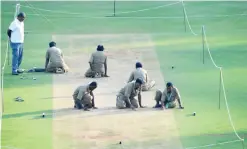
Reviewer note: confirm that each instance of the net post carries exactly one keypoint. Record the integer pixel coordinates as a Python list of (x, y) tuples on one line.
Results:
[(2, 97), (8, 56), (243, 143), (203, 45), (114, 8), (220, 87), (185, 28), (17, 9)]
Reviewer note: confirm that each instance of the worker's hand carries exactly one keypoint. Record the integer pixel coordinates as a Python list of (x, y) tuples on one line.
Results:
[(181, 107), (133, 108), (86, 109)]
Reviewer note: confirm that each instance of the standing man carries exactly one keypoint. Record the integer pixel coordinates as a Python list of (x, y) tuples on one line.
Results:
[(83, 96), (97, 64), (16, 35), (125, 97), (54, 62), (169, 97), (141, 73)]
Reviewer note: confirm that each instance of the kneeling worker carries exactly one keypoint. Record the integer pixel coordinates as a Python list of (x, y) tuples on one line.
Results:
[(97, 64), (125, 98), (54, 60), (83, 96), (169, 97), (141, 73)]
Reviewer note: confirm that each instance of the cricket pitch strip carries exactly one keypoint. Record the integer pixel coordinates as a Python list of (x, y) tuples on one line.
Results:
[(105, 127)]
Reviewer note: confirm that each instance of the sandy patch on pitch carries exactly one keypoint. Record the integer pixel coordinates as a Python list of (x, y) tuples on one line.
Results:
[(107, 125)]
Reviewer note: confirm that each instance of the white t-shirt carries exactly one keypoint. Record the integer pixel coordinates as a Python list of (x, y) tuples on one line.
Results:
[(17, 35)]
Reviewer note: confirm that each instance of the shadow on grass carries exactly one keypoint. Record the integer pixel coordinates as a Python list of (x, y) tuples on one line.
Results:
[(80, 113)]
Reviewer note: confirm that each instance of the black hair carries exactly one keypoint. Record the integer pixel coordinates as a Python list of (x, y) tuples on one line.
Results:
[(138, 65), (100, 48), (52, 44), (21, 14), (169, 84), (93, 84)]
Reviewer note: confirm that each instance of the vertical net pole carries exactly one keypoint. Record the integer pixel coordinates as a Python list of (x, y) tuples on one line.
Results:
[(220, 88), (185, 28), (114, 8), (17, 10), (203, 45), (243, 143)]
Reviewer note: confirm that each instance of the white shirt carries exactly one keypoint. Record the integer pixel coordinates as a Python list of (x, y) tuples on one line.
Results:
[(17, 34)]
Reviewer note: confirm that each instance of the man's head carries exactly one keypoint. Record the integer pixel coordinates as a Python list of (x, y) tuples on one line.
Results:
[(138, 65), (92, 86), (169, 87), (21, 16), (138, 83), (52, 44), (100, 48)]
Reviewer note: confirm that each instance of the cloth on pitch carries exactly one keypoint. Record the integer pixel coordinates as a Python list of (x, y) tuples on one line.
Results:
[(36, 70)]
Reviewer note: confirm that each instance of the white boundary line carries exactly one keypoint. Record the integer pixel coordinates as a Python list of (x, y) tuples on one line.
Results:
[(214, 144)]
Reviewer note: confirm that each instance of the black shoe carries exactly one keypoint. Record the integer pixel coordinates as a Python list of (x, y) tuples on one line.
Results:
[(15, 73), (157, 106)]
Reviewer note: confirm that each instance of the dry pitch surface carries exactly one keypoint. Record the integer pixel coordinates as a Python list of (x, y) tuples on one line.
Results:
[(105, 127)]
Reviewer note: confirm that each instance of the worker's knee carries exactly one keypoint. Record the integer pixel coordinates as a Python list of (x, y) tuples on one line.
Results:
[(134, 102), (158, 95), (120, 104), (78, 104), (87, 101)]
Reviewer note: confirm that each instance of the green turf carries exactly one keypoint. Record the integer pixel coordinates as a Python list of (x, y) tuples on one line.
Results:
[(198, 83)]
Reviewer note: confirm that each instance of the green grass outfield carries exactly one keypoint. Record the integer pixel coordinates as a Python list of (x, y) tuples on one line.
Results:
[(198, 83)]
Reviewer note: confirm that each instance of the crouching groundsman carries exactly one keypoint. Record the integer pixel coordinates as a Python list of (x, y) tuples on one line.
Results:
[(83, 96), (97, 64), (125, 98), (169, 97), (54, 60), (141, 73)]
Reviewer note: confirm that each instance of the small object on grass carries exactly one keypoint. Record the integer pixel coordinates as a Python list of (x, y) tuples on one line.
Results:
[(31, 70), (43, 115), (172, 67), (19, 99), (34, 78), (21, 77), (194, 113), (120, 142)]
